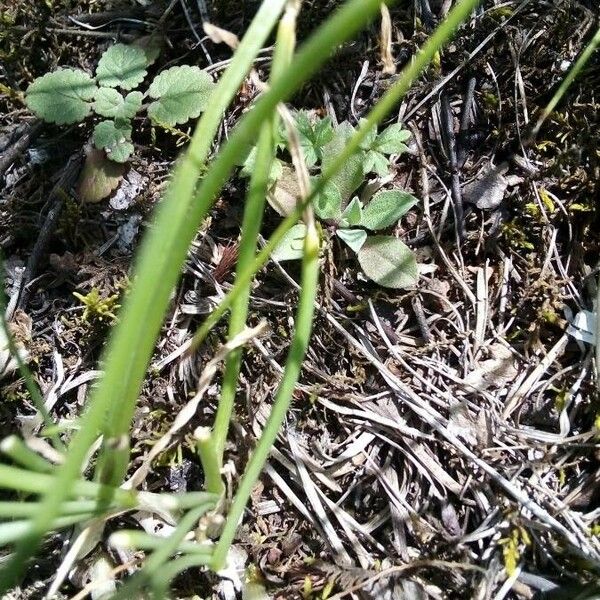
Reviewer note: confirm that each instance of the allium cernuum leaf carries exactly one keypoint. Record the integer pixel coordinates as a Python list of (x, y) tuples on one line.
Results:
[(61, 97)]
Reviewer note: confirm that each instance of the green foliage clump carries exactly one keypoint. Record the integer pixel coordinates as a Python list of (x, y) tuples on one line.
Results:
[(383, 258), (68, 96), (97, 308)]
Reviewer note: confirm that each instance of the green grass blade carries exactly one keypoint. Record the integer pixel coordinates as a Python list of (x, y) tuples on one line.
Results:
[(163, 252), (251, 224)]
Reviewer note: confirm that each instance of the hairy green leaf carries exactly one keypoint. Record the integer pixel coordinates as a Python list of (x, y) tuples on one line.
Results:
[(62, 96), (350, 176), (370, 138), (375, 162), (291, 245), (328, 204), (122, 66), (388, 262), (391, 140), (354, 238), (386, 208), (180, 93), (313, 136), (115, 138), (352, 214), (110, 103)]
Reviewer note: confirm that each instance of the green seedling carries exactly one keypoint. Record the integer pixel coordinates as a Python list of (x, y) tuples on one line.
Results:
[(96, 308), (68, 96), (383, 258)]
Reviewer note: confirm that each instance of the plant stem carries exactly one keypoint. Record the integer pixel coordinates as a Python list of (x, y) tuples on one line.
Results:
[(164, 249), (12, 510), (161, 555), (16, 449), (584, 57), (303, 328), (211, 465), (251, 223), (30, 384), (139, 540)]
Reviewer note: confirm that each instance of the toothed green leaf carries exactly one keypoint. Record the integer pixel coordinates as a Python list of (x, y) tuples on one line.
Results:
[(110, 103), (386, 208), (388, 262), (391, 140), (375, 162), (62, 96), (180, 93), (115, 138), (122, 66), (313, 136)]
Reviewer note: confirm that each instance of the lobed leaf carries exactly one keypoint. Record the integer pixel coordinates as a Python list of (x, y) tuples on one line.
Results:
[(391, 140), (110, 103), (122, 66), (354, 238), (115, 138), (386, 208), (376, 162), (180, 93), (388, 262), (313, 136), (291, 245), (62, 96)]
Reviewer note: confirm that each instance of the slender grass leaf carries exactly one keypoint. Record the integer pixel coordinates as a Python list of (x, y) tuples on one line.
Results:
[(63, 96), (388, 262)]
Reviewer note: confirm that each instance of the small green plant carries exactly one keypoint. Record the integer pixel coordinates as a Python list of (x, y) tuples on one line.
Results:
[(96, 308), (67, 96), (383, 258)]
